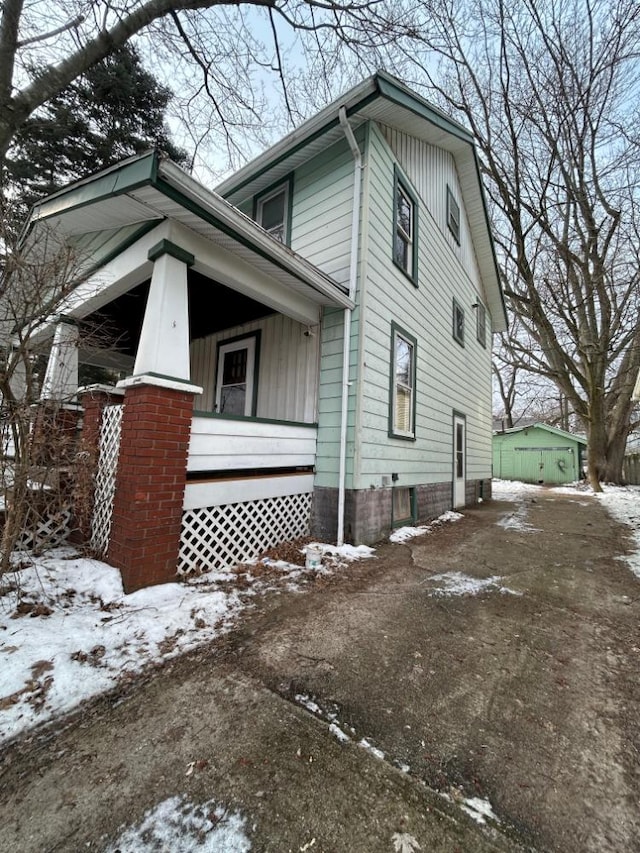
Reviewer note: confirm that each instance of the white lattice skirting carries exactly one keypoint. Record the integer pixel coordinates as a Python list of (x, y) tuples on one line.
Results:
[(220, 537), (48, 532), (105, 486)]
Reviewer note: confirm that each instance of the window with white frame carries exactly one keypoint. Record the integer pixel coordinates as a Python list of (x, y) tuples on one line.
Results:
[(403, 384), (453, 215), (236, 376), (404, 235), (273, 209)]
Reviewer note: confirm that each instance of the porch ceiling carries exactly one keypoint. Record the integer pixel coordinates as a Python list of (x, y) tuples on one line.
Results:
[(212, 308)]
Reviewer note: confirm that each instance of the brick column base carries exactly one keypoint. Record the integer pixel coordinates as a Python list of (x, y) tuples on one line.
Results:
[(150, 482)]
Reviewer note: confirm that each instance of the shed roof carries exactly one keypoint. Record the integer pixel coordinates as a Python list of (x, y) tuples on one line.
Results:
[(553, 430)]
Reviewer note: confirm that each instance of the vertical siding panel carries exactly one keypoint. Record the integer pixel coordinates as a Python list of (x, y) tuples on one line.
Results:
[(287, 376)]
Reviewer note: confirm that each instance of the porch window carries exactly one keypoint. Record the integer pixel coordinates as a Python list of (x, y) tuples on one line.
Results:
[(458, 322), (453, 216), (405, 250), (273, 211), (236, 377), (403, 380)]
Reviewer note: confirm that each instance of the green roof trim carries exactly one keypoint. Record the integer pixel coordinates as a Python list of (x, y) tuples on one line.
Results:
[(206, 215), (121, 179), (166, 247), (394, 91)]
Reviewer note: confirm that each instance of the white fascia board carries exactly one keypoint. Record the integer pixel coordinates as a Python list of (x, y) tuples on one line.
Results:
[(115, 278), (225, 267)]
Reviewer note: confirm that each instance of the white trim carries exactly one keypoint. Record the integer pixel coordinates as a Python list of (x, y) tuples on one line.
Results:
[(222, 492), (248, 343), (298, 266), (98, 388), (159, 382)]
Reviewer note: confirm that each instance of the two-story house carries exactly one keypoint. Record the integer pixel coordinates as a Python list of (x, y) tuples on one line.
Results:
[(307, 349)]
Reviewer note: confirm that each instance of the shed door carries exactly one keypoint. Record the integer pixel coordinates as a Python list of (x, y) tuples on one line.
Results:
[(459, 461)]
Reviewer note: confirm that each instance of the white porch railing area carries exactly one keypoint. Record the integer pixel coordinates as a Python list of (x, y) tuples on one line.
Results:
[(233, 518), (229, 444)]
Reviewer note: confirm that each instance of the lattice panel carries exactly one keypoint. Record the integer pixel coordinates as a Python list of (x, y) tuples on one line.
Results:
[(220, 537), (106, 478), (46, 532)]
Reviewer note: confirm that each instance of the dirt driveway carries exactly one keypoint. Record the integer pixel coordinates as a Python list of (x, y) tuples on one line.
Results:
[(390, 706)]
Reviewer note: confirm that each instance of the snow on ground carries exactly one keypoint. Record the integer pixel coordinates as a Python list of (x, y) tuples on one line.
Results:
[(457, 583), (68, 632), (181, 826), (621, 502), (404, 533)]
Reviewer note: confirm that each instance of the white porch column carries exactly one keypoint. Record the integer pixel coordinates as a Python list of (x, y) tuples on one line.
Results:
[(61, 377), (163, 348)]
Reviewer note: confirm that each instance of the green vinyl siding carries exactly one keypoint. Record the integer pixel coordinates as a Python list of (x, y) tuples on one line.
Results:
[(448, 377), (537, 454), (321, 231)]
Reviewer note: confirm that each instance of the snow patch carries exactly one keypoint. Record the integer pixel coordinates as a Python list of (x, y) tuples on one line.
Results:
[(623, 504), (479, 809), (457, 583), (517, 521), (181, 826), (404, 533), (337, 732), (365, 744)]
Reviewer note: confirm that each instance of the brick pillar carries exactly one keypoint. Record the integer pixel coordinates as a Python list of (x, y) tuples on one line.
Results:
[(152, 466), (94, 399)]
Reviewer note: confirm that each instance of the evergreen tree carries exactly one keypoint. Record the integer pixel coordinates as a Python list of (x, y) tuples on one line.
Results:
[(116, 109)]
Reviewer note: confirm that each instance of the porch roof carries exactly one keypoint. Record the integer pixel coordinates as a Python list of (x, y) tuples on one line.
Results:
[(103, 215)]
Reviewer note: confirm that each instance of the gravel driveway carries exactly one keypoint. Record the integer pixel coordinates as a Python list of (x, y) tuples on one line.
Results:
[(474, 689)]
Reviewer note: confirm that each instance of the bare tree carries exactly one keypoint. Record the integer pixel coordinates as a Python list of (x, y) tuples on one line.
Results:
[(37, 436), (550, 89), (212, 47)]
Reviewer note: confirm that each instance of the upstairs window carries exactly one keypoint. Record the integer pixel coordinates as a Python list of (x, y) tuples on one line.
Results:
[(273, 211), (458, 322), (453, 215), (405, 253), (403, 384)]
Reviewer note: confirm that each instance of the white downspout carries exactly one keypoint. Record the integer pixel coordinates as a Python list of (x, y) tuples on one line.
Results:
[(346, 341)]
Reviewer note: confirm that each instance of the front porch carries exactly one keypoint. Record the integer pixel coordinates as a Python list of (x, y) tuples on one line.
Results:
[(205, 451)]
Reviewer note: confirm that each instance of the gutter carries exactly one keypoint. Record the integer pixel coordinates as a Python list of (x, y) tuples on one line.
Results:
[(346, 340)]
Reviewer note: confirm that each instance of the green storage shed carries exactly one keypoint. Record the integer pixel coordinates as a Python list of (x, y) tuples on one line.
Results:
[(538, 454)]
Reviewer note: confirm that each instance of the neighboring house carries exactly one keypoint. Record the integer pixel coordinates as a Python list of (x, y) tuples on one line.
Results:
[(311, 342), (538, 454)]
